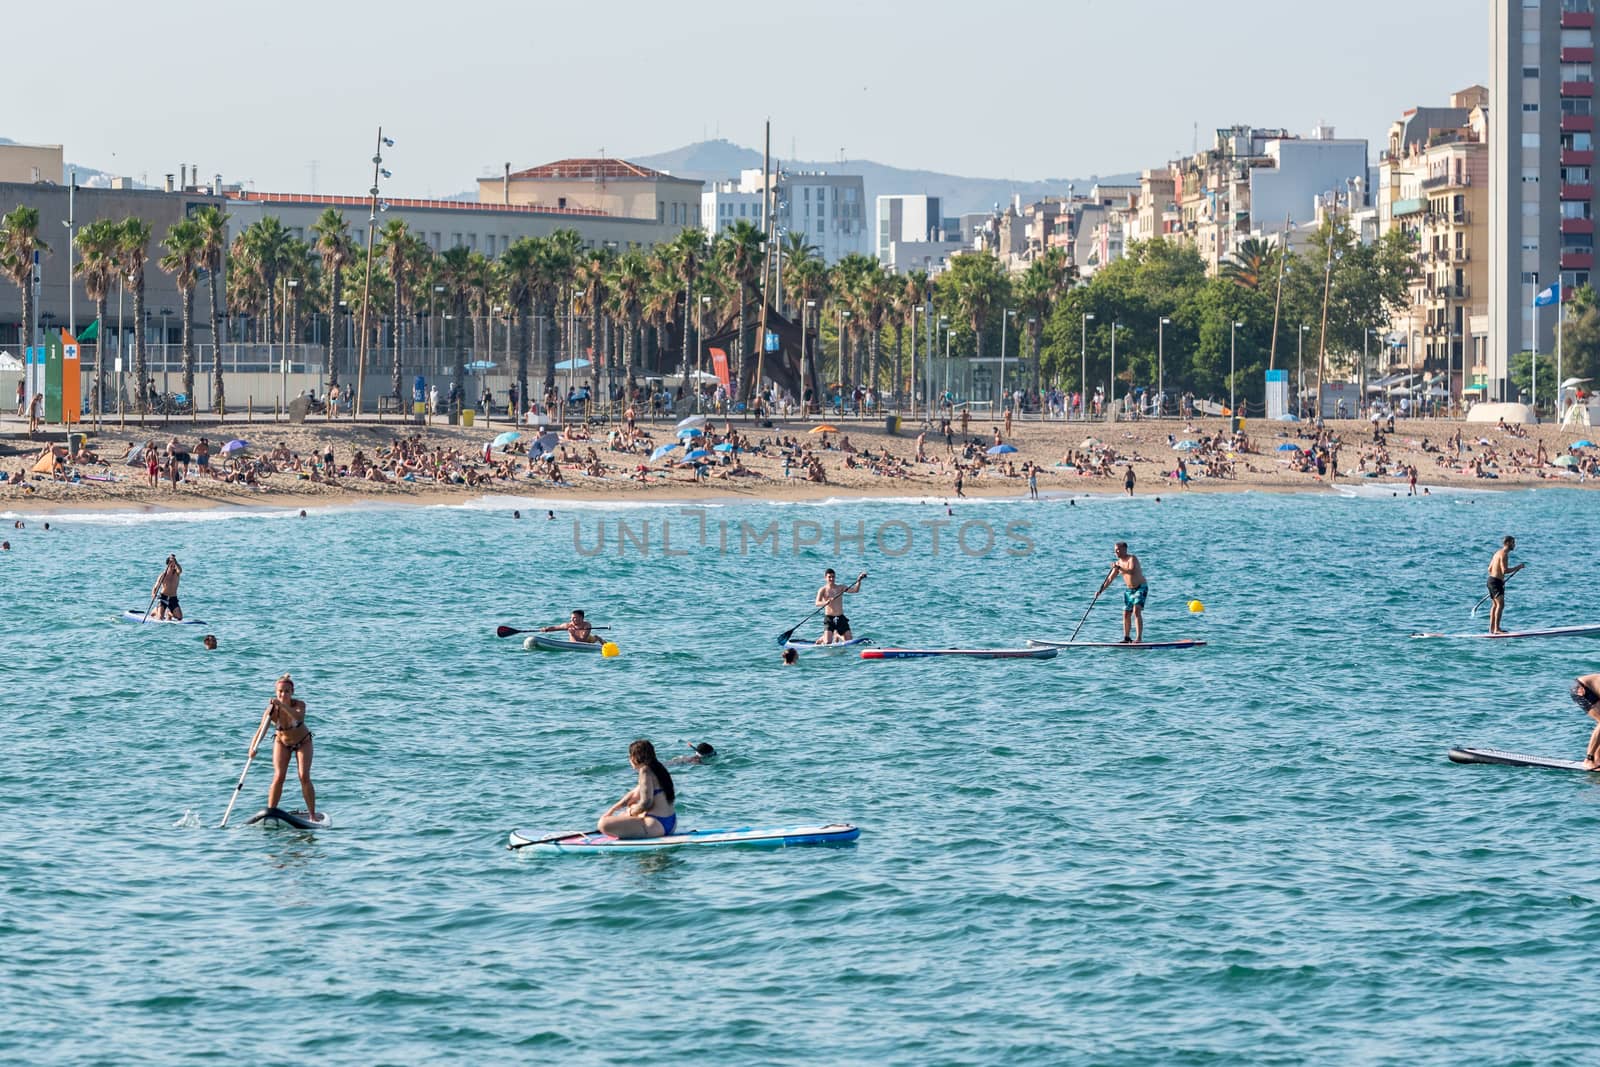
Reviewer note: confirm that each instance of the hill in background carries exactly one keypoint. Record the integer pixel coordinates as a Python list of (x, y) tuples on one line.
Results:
[(721, 159)]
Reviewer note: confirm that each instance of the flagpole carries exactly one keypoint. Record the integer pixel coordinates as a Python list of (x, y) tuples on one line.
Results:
[(1560, 392), (1533, 363)]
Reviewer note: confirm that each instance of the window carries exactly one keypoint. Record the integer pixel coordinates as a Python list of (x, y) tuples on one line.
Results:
[(819, 226), (1530, 140), (742, 208), (1578, 105), (1574, 175), (1577, 72), (808, 192), (1575, 209), (1530, 277), (661, 211), (1530, 107), (1530, 243), (1577, 39), (1530, 72), (1530, 207), (1530, 35)]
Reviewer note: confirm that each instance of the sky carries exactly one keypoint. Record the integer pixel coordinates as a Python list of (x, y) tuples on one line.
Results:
[(288, 96)]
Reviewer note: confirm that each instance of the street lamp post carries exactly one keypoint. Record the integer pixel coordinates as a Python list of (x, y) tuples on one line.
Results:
[(1083, 365), (916, 313), (366, 285), (1233, 350), (699, 349), (1161, 363), (805, 316), (1111, 393), (165, 355), (1300, 371), (1005, 317), (843, 316), (949, 331)]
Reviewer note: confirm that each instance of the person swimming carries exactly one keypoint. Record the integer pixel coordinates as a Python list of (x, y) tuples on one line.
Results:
[(703, 753), (791, 656), (650, 806)]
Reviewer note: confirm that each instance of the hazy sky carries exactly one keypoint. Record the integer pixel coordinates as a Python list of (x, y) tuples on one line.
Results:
[(998, 88)]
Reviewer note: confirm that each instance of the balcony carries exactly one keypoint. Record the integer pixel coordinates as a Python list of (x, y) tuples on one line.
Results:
[(1577, 55), (1461, 255), (1572, 157), (1577, 260), (1577, 225), (1577, 20), (1577, 123), (1577, 192), (1409, 206), (1447, 180), (1577, 89)]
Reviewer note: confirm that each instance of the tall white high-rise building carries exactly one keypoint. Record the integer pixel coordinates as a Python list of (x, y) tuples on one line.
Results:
[(829, 209), (1541, 160)]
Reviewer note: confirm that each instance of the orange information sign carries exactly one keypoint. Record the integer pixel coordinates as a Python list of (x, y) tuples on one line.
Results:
[(719, 366), (71, 380)]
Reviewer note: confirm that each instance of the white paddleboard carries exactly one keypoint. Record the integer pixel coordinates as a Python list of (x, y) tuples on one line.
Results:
[(1119, 644), (1559, 631), (1513, 759), (297, 819), (748, 836)]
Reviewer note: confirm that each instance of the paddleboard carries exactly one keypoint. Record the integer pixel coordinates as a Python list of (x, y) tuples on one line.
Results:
[(135, 615), (297, 819), (552, 643), (1117, 644), (748, 836), (970, 653), (1559, 631), (804, 647), (1513, 759)]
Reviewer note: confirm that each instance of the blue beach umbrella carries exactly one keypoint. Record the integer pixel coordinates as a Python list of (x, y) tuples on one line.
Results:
[(506, 438), (1185, 446), (691, 431), (572, 364), (1000, 450), (1288, 446), (663, 450), (726, 446), (1585, 443), (698, 453)]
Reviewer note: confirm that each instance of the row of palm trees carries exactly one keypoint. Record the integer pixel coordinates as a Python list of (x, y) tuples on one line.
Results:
[(619, 305)]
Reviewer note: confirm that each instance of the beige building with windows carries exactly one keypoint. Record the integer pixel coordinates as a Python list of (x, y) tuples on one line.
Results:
[(612, 187), (31, 164), (1433, 184)]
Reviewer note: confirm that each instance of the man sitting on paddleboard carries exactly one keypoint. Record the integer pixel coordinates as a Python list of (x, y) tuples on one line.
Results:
[(165, 591), (1586, 694), (1134, 596), (292, 738), (577, 627), (1498, 573), (830, 598), (650, 803)]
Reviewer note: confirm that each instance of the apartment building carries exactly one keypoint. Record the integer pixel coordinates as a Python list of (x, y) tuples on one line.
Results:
[(909, 219), (1541, 159), (612, 187), (828, 208), (1433, 184)]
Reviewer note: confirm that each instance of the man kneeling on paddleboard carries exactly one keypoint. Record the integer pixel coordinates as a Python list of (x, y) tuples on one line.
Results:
[(830, 598), (165, 592), (1586, 694), (1134, 596), (650, 803), (577, 628)]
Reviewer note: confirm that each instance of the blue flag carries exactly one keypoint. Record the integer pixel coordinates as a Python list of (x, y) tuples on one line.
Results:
[(1548, 296)]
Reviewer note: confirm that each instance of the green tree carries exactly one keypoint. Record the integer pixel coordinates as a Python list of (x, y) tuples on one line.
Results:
[(455, 270), (185, 244), (334, 247), (19, 239), (97, 267), (133, 247), (213, 223)]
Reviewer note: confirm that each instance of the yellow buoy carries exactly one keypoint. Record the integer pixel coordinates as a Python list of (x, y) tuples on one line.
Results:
[(1195, 607), (610, 649)]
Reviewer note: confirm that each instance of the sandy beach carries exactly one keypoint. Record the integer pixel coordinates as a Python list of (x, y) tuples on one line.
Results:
[(861, 459)]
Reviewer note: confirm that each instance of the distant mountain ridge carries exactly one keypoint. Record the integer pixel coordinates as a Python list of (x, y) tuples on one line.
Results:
[(720, 160)]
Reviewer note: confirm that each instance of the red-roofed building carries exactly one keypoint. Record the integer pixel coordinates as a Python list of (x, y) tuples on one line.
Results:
[(613, 186)]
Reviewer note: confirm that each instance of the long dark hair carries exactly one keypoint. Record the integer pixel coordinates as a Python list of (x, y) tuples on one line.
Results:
[(644, 752)]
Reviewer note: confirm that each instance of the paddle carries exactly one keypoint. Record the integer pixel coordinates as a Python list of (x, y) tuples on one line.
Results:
[(1485, 599), (507, 631), (1090, 608), (254, 741), (547, 840), (783, 638), (148, 610)]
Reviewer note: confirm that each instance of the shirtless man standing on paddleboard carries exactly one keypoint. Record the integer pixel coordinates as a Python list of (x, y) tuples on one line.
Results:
[(830, 598), (1134, 596), (1498, 573)]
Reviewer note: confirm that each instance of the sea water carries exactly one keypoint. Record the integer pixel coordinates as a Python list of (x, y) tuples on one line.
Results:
[(1253, 852)]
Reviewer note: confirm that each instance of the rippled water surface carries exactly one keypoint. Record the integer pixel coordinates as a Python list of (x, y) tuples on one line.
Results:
[(1252, 852)]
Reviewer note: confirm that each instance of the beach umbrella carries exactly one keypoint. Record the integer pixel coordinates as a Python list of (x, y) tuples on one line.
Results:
[(1585, 443), (1565, 461), (691, 431), (823, 428), (726, 446), (1186, 446), (692, 420), (1001, 449), (506, 438), (572, 364), (236, 445), (698, 453), (663, 450), (1288, 446)]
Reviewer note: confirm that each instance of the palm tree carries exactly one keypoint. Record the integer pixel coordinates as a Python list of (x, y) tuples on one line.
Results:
[(877, 298), (520, 263), (795, 252), (1252, 263), (455, 271), (400, 253), (185, 244), (593, 279), (807, 281), (687, 253), (850, 276), (979, 283), (19, 240), (333, 245), (660, 300), (741, 257), (1045, 281), (560, 261), (97, 267), (629, 280), (213, 223), (133, 244)]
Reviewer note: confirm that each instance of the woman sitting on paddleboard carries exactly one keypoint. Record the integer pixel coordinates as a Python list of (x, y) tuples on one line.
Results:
[(650, 804), (292, 738), (1586, 694)]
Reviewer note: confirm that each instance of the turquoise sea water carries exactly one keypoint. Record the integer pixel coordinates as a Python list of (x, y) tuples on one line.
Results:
[(1255, 852)]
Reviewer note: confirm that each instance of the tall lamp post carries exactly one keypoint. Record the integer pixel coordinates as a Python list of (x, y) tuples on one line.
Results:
[(1111, 393), (165, 355), (699, 349), (844, 316), (1161, 363), (1083, 365), (1233, 350), (916, 313), (366, 285), (805, 315), (1008, 315), (1300, 371)]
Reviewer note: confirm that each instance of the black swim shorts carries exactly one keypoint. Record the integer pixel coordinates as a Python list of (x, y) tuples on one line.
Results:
[(835, 624)]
